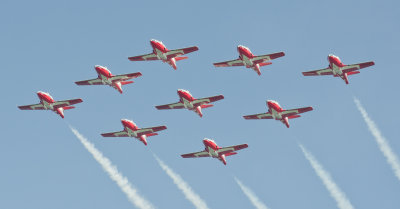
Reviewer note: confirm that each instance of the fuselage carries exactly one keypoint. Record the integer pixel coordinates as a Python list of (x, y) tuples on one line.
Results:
[(186, 98), (104, 74), (335, 64), (211, 147), (130, 127), (46, 100), (159, 49), (246, 56), (275, 109)]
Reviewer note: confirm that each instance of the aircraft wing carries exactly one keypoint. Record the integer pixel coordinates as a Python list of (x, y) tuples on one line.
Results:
[(178, 52), (325, 71), (177, 105), (64, 103), (144, 131), (225, 150), (236, 62), (267, 57), (287, 113), (206, 100), (126, 76), (354, 67), (266, 115), (116, 134), (90, 82), (32, 107), (145, 57), (196, 154)]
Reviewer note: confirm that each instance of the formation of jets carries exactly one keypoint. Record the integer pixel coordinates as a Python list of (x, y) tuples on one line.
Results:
[(187, 101)]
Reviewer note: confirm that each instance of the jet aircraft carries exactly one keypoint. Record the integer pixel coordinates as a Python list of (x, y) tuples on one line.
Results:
[(248, 59), (132, 130), (275, 111), (214, 151), (186, 100), (48, 103), (338, 69), (106, 78), (160, 52)]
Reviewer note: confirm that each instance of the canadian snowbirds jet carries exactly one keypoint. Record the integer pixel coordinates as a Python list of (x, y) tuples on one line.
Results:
[(132, 130), (160, 52), (106, 78), (338, 69), (246, 58), (48, 103), (186, 100), (214, 151), (276, 112)]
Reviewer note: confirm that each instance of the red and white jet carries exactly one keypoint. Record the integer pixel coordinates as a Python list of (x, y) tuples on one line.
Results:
[(338, 69), (48, 103), (132, 130), (246, 58), (106, 78), (160, 52), (276, 112), (214, 151), (189, 102)]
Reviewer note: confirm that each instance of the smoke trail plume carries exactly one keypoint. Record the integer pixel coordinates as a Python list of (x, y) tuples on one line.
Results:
[(384, 146), (115, 175), (183, 186), (250, 194), (340, 198)]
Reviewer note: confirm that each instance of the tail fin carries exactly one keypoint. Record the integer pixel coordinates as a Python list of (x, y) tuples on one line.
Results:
[(180, 58), (285, 121)]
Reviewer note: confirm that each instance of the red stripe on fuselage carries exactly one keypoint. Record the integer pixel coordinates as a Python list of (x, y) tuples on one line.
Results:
[(103, 71)]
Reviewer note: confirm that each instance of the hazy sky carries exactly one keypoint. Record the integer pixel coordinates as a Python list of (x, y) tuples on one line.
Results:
[(48, 45)]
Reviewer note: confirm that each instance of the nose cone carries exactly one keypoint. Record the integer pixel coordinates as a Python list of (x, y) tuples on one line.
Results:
[(181, 92), (125, 122), (98, 68)]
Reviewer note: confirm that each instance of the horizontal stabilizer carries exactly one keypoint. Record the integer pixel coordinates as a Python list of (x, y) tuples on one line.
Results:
[(353, 72), (152, 134), (180, 58), (294, 116), (126, 82), (231, 153), (265, 63), (206, 106), (68, 107)]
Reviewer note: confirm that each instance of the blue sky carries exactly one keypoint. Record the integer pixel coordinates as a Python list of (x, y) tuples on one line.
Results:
[(47, 45)]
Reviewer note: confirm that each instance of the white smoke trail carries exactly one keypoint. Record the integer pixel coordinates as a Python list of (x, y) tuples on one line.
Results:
[(340, 198), (115, 175), (250, 194), (194, 198), (384, 146)]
